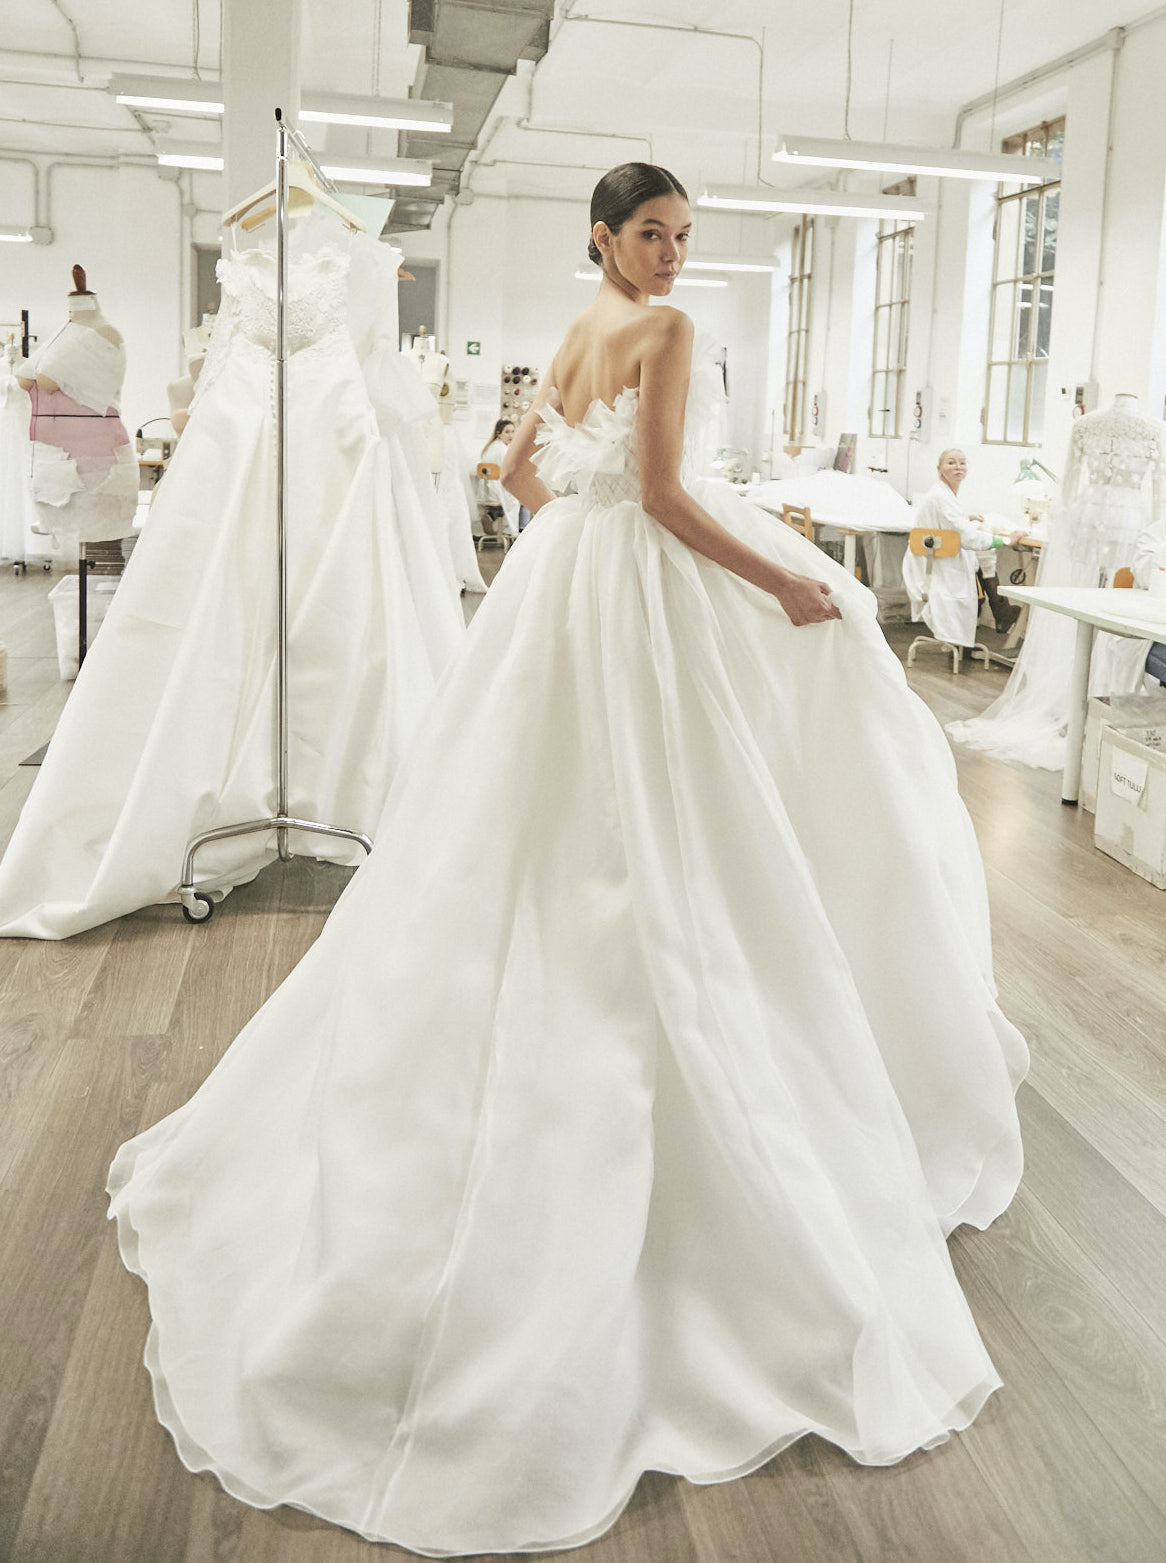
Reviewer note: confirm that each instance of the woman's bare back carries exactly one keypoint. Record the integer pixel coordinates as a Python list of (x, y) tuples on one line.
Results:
[(601, 355)]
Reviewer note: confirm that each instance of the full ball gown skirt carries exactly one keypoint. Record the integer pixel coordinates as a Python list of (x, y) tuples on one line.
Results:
[(617, 1117), (170, 728)]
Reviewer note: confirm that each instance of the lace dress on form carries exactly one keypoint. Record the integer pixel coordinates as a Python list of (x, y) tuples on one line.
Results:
[(618, 1128), (1112, 492), (169, 729)]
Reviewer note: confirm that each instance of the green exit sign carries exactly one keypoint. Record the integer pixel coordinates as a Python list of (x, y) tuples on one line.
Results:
[(474, 349)]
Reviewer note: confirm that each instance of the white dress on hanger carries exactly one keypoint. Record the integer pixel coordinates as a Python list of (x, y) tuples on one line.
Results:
[(170, 728), (1110, 495), (617, 1117), (17, 509)]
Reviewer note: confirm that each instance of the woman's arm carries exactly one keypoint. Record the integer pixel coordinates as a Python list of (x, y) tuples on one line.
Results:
[(519, 474), (665, 366)]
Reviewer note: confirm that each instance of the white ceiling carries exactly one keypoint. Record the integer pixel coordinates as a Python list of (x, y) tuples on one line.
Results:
[(685, 98)]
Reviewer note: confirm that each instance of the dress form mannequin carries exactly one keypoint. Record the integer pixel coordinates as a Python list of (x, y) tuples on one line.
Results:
[(1107, 500), (180, 393), (1111, 495), (84, 479)]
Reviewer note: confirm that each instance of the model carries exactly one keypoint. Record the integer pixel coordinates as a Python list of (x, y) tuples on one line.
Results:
[(616, 1120)]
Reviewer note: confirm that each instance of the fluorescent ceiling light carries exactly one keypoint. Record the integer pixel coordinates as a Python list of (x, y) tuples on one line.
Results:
[(354, 170), (829, 203), (377, 171), (176, 95), (387, 113), (584, 275), (711, 263), (198, 157), (818, 152), (171, 93), (10, 234)]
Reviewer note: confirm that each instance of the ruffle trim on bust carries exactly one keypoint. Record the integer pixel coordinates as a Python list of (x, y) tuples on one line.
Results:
[(601, 441), (597, 443)]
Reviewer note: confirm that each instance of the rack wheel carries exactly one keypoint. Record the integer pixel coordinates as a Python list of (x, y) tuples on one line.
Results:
[(202, 909), (19, 567), (47, 566)]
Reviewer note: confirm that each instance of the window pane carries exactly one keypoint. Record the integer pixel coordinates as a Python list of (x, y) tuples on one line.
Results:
[(997, 394), (1044, 323), (1003, 310), (895, 404), (1031, 219), (1022, 337), (1006, 238), (881, 337), (878, 407), (1049, 245), (1017, 387), (1036, 408), (899, 346), (883, 290), (905, 257)]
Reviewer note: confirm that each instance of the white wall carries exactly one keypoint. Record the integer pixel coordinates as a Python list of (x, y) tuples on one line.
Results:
[(124, 225), (1116, 282), (509, 283)]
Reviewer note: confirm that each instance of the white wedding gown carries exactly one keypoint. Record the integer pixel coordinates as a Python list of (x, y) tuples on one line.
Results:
[(617, 1117), (170, 728)]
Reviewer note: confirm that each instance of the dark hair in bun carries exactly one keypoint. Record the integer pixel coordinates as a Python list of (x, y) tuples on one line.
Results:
[(621, 190)]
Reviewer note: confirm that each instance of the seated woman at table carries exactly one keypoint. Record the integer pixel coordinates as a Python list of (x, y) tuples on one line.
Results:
[(951, 607)]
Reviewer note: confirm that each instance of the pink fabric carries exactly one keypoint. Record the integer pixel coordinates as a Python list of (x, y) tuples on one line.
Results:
[(90, 438)]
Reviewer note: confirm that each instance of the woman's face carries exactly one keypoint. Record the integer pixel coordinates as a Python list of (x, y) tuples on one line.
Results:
[(953, 467), (506, 433), (650, 249)]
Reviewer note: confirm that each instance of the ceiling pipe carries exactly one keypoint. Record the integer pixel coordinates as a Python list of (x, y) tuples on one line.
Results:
[(11, 157), (690, 30)]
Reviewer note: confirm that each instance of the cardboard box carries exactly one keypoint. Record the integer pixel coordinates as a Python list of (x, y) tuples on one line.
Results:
[(1130, 822), (1119, 711)]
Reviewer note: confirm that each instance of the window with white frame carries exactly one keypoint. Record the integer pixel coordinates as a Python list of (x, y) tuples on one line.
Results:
[(1021, 319), (893, 256), (797, 344)]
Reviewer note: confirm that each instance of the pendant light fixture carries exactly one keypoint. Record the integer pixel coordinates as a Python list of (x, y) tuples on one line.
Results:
[(829, 203), (933, 162), (204, 99), (940, 162)]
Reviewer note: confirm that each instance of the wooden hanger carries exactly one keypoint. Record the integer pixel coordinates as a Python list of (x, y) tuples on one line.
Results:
[(302, 191)]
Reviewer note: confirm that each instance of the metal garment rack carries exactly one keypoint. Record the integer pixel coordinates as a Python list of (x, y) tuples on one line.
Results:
[(197, 906)]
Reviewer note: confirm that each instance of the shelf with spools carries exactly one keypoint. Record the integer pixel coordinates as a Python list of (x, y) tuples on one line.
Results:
[(519, 388)]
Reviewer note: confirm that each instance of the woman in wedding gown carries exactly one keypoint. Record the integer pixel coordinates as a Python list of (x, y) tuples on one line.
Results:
[(170, 728), (618, 1128)]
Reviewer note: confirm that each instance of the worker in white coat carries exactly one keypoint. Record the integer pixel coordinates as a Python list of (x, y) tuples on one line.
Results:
[(951, 607)]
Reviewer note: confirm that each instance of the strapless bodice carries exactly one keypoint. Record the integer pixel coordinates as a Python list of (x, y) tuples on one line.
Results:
[(598, 456)]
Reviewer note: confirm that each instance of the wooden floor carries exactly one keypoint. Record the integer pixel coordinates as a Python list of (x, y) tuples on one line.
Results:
[(103, 1034)]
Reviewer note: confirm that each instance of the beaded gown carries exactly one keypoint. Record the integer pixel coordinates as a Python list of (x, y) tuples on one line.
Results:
[(617, 1118)]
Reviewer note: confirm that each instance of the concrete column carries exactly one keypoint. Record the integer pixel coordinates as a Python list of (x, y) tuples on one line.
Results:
[(261, 71)]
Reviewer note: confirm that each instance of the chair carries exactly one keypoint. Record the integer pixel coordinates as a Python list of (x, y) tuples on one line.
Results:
[(493, 527), (798, 516), (932, 544)]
